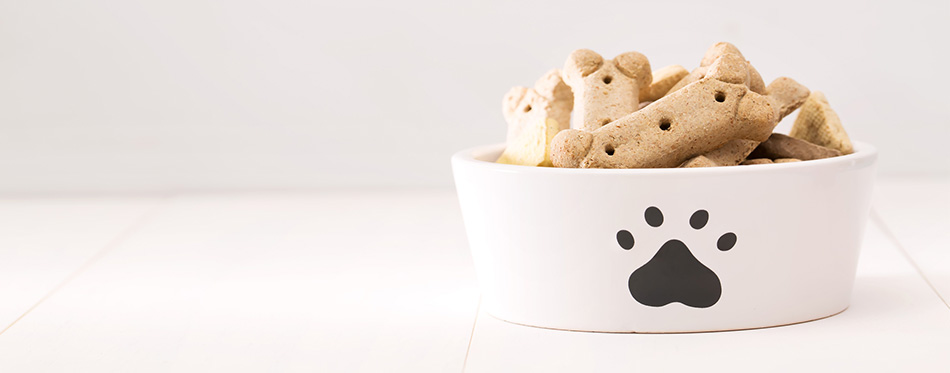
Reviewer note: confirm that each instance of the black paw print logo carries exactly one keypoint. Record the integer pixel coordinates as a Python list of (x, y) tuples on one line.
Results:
[(674, 274)]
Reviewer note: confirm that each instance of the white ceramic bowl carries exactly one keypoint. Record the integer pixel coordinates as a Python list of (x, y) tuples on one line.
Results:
[(577, 249)]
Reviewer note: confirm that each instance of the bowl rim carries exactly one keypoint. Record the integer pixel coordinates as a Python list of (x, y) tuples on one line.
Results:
[(863, 153)]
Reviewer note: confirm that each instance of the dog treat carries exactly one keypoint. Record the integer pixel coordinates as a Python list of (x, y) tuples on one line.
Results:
[(604, 90), (717, 50), (552, 87), (600, 113), (788, 93), (755, 82), (756, 161), (532, 146), (693, 77), (534, 116), (694, 120), (782, 146), (818, 124), (699, 161), (730, 154), (663, 80)]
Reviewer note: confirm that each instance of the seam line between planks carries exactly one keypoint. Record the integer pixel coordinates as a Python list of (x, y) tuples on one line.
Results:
[(890, 235), (108, 247), (471, 336)]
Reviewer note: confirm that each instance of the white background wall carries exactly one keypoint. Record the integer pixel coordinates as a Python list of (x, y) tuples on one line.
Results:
[(210, 95)]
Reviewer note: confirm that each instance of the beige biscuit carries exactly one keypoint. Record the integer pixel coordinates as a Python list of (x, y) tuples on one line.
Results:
[(523, 105), (697, 119), (755, 82), (717, 50), (782, 146), (699, 161), (663, 80), (511, 106), (756, 161), (693, 77), (532, 146), (786, 160), (534, 116), (789, 94), (730, 154), (551, 86), (818, 124), (644, 104), (604, 90), (713, 53)]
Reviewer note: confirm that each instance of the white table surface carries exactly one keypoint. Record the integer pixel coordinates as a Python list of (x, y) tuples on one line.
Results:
[(381, 280)]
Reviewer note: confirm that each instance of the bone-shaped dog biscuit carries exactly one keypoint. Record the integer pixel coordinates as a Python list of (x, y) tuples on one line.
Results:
[(695, 120), (531, 147), (782, 146), (551, 86), (730, 154), (699, 161), (551, 96), (693, 77), (755, 82), (788, 93), (769, 161), (818, 124), (663, 80), (604, 90), (784, 91), (756, 161), (534, 116)]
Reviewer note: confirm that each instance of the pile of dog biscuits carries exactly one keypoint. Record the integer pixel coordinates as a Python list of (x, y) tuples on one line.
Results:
[(597, 113)]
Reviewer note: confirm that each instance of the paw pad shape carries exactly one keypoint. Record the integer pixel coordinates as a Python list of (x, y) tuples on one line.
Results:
[(674, 274)]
